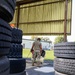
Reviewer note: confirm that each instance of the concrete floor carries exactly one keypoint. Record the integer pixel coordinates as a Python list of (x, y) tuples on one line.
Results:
[(46, 69)]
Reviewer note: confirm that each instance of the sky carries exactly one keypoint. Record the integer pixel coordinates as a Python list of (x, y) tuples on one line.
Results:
[(70, 38)]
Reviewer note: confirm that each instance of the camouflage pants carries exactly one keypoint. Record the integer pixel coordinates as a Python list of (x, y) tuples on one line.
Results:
[(36, 56)]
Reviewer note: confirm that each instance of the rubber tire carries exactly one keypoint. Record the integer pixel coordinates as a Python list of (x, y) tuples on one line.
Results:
[(57, 73), (65, 50), (4, 24), (5, 31), (4, 66), (15, 51), (12, 3), (5, 28), (65, 66), (4, 47), (22, 73), (6, 11), (4, 37), (16, 36), (4, 44), (5, 72), (4, 51), (17, 65)]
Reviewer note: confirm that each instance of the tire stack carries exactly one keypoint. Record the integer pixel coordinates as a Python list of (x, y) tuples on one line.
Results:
[(15, 51), (16, 47), (17, 63), (64, 64), (7, 8)]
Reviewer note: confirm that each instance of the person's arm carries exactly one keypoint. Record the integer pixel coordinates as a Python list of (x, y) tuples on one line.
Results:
[(40, 48), (32, 45)]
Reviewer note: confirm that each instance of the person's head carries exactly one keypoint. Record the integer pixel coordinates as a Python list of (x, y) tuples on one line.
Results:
[(38, 39)]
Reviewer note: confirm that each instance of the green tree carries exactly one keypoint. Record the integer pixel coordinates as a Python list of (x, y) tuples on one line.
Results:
[(59, 39), (46, 39)]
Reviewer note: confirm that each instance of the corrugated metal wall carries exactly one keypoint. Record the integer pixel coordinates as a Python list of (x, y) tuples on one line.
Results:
[(44, 18)]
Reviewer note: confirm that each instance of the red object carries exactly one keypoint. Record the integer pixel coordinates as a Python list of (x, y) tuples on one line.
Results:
[(12, 25)]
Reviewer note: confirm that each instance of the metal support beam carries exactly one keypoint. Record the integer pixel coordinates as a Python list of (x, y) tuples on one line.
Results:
[(26, 2), (42, 4), (62, 20), (44, 33), (18, 15), (65, 21)]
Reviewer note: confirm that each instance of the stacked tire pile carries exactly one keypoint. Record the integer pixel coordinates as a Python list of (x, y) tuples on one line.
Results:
[(15, 51), (16, 47), (6, 15), (64, 64), (17, 63)]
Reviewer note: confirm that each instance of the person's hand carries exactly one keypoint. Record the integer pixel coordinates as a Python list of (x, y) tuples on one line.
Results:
[(31, 50)]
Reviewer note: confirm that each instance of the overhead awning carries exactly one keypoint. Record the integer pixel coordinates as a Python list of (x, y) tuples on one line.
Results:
[(44, 18)]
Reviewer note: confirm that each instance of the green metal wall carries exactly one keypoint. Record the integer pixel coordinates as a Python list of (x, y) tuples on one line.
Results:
[(44, 18)]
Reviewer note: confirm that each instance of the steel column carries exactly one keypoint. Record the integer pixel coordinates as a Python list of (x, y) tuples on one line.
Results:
[(65, 21), (18, 15)]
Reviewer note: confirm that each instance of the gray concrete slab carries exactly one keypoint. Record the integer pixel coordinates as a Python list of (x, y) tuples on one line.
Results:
[(46, 69)]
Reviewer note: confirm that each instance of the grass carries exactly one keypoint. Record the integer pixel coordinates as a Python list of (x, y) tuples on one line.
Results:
[(49, 54)]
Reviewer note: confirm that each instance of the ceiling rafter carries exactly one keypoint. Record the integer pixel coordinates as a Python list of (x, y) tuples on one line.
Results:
[(21, 2)]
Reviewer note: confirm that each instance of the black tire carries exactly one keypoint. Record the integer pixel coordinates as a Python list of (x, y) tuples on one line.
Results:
[(65, 50), (12, 3), (6, 10), (4, 48), (4, 66), (5, 72), (22, 73), (57, 73), (65, 66), (4, 51), (17, 65), (4, 24), (4, 44), (16, 36), (15, 51), (5, 31), (5, 28), (4, 37)]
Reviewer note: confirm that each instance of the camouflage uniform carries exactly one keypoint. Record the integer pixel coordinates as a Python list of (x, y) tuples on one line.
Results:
[(37, 53)]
